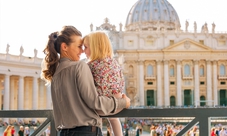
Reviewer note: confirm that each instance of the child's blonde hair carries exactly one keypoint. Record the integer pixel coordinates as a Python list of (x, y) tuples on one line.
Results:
[(100, 45)]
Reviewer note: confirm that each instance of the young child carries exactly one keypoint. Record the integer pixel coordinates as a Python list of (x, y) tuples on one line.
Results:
[(107, 73)]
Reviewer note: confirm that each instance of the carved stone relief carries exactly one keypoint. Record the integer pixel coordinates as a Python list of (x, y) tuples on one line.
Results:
[(131, 93)]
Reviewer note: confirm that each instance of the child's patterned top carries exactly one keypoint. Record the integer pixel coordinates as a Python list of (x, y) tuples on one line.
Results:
[(108, 76)]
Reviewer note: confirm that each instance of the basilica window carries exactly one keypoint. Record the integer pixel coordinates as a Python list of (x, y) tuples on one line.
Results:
[(201, 71), (149, 83), (149, 70), (149, 42), (171, 42), (186, 70), (222, 70), (130, 70), (171, 71), (130, 42), (165, 11), (222, 40), (172, 83), (201, 41)]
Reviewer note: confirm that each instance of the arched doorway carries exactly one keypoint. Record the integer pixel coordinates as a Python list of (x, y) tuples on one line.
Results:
[(150, 98), (187, 97), (172, 101), (223, 97), (202, 100)]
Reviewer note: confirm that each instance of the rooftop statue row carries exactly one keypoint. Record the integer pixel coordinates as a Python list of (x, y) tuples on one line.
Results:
[(106, 26), (21, 51), (204, 28), (160, 25)]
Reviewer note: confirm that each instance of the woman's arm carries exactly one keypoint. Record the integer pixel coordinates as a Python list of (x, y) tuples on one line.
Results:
[(89, 94)]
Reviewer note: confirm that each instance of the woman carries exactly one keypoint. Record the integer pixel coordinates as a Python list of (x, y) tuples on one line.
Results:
[(7, 131), (27, 131), (73, 92), (21, 131)]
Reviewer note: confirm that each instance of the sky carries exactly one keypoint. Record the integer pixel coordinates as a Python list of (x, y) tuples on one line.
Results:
[(28, 23)]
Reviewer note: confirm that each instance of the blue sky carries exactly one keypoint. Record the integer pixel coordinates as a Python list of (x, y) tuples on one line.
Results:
[(28, 23)]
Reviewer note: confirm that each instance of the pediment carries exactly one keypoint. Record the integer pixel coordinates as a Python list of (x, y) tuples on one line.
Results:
[(187, 45)]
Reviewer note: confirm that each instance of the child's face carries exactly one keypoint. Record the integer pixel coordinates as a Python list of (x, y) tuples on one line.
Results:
[(87, 49)]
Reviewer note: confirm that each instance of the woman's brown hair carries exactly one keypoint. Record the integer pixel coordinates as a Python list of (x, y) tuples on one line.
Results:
[(53, 47)]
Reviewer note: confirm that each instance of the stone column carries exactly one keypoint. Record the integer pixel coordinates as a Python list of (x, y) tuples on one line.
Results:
[(166, 83), (141, 82), (20, 100), (159, 85), (42, 98), (196, 82), (6, 96), (20, 103), (11, 92), (215, 87), (27, 100), (209, 90), (35, 94), (48, 97), (179, 98)]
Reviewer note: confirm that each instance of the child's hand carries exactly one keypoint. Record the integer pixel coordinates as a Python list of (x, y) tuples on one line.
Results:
[(127, 100)]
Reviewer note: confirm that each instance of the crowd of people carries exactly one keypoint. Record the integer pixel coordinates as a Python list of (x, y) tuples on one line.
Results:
[(168, 129), (23, 131), (10, 131)]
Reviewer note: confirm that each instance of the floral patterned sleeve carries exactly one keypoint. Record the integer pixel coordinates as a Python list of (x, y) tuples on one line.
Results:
[(108, 76)]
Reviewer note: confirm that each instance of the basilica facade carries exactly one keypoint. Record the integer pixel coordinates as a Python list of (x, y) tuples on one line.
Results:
[(164, 63)]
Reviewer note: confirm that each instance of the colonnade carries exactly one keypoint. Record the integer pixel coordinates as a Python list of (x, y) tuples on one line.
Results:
[(163, 82), (24, 93)]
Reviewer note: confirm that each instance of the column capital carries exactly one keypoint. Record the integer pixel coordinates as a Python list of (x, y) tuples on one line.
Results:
[(140, 62), (166, 62), (21, 76), (35, 76), (158, 61), (196, 61), (7, 75), (178, 61), (208, 61), (130, 61), (215, 62)]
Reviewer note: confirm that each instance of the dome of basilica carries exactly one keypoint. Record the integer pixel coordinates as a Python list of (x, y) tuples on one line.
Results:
[(152, 15)]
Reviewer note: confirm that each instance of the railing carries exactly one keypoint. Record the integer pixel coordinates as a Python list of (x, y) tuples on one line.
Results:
[(33, 114), (197, 103), (200, 115)]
